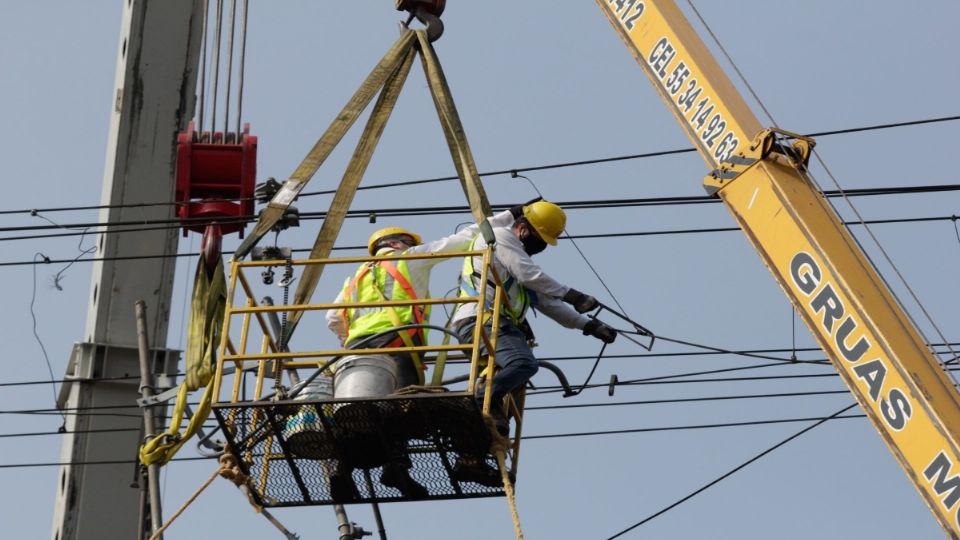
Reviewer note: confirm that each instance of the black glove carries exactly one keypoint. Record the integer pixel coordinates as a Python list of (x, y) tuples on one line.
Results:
[(517, 210), (599, 330), (580, 302)]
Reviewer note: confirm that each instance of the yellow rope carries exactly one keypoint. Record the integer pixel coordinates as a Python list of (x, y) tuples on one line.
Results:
[(511, 495), (229, 469), (419, 389), (498, 447), (206, 483)]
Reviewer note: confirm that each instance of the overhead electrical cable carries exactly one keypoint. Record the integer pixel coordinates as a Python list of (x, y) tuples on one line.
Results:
[(613, 159), (457, 209), (729, 473), (685, 427), (732, 397), (577, 237), (501, 171), (682, 400), (527, 437)]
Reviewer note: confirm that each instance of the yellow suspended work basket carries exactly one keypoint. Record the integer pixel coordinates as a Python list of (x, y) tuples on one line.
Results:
[(290, 445)]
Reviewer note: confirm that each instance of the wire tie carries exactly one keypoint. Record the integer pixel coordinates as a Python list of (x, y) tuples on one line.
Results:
[(612, 387), (34, 212), (513, 173)]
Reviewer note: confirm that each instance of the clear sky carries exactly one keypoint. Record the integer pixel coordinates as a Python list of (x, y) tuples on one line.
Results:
[(536, 82)]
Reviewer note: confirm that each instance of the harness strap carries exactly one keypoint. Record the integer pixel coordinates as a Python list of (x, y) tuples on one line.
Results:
[(406, 336), (467, 287)]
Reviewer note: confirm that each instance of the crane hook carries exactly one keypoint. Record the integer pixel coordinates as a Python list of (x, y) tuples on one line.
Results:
[(427, 12)]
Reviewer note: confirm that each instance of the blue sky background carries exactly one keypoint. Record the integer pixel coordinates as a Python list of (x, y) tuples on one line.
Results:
[(536, 82)]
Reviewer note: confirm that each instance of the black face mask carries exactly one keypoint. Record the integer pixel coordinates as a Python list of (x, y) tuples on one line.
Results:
[(532, 243)]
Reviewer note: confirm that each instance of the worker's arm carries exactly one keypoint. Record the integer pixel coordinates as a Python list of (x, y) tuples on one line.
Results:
[(335, 321), (457, 242), (567, 316), (560, 312)]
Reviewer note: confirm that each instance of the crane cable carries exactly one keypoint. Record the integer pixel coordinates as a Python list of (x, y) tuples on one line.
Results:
[(209, 298)]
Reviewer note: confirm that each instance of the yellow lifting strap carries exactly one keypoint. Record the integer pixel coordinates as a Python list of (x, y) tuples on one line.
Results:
[(327, 142), (441, 361), (206, 319), (390, 75)]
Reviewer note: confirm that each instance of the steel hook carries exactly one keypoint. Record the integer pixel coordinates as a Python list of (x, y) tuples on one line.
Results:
[(427, 12)]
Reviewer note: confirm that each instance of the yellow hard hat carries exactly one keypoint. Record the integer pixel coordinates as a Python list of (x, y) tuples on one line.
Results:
[(547, 219), (390, 231)]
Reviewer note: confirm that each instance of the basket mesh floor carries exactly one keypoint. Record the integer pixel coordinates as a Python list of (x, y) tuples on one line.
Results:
[(292, 449)]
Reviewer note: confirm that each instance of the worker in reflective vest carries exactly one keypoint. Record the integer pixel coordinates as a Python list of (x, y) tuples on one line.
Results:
[(379, 326), (526, 285), (404, 280)]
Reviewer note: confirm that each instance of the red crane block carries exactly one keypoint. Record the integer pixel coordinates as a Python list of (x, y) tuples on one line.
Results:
[(215, 179)]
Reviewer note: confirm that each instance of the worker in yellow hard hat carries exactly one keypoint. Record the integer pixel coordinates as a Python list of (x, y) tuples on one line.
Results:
[(381, 327), (535, 225)]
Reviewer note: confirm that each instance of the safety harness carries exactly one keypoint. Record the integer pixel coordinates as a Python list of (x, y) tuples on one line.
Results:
[(516, 301)]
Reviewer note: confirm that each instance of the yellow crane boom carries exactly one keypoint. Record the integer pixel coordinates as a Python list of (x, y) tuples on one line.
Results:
[(761, 176)]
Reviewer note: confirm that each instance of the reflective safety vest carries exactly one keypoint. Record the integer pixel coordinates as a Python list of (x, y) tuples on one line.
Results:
[(379, 281), (516, 300)]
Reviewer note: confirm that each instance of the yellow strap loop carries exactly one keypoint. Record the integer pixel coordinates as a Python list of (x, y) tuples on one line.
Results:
[(206, 317)]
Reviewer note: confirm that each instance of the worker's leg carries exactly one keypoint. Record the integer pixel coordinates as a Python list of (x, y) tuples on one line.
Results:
[(516, 365), (513, 357), (515, 360), (396, 473), (406, 371)]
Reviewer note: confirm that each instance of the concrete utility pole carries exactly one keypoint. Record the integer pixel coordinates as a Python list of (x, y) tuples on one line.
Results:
[(159, 52)]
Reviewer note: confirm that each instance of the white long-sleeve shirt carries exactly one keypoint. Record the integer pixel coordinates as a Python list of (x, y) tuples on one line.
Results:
[(510, 259), (419, 269)]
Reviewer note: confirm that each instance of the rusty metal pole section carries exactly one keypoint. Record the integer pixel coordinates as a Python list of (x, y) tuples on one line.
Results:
[(149, 424)]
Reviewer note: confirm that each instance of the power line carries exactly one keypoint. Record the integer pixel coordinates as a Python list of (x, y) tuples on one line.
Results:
[(731, 229), (682, 400), (577, 237), (625, 157), (643, 382), (526, 437), (746, 352), (689, 427), (495, 172), (86, 463), (52, 412), (79, 431), (732, 471), (711, 351), (172, 224)]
